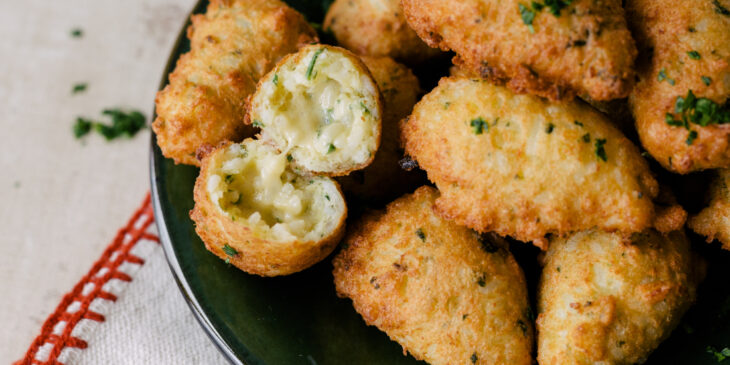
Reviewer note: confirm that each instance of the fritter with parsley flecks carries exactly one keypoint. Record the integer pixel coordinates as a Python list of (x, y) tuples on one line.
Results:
[(523, 167), (232, 46), (681, 103), (606, 299), (554, 49), (253, 210), (447, 295)]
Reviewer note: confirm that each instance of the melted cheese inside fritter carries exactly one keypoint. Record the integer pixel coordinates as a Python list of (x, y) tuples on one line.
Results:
[(322, 108), (252, 182)]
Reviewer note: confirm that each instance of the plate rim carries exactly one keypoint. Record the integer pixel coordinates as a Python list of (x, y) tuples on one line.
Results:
[(160, 221)]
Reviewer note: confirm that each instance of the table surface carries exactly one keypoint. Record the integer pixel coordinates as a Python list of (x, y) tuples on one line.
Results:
[(64, 199)]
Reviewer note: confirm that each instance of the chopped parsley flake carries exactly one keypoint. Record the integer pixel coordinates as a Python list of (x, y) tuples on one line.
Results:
[(600, 151), (229, 179), (550, 128), (694, 55), (473, 358), (230, 251), (365, 108), (421, 235), (312, 62), (537, 6), (447, 105), (77, 32), (80, 87), (125, 124), (696, 110), (577, 123), (82, 127), (327, 197), (691, 137), (586, 138), (671, 81), (527, 17), (478, 125), (289, 158), (720, 355), (257, 123), (662, 75), (557, 5), (720, 9), (706, 80), (331, 148), (276, 79)]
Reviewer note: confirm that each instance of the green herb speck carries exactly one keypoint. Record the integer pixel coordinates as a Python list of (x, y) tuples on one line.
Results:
[(527, 17), (478, 125), (276, 79), (77, 32), (577, 123), (600, 150), (550, 128), (694, 55), (473, 358), (421, 235), (230, 251), (331, 148), (706, 80), (312, 62), (720, 355), (691, 138), (82, 127), (289, 158), (80, 87), (586, 138)]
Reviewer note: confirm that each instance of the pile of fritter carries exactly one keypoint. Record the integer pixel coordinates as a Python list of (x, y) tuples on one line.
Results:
[(553, 128)]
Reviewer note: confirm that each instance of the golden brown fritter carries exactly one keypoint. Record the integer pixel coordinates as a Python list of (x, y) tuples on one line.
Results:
[(384, 180), (685, 49), (433, 287), (713, 222), (604, 299), (522, 167), (583, 48), (322, 107), (376, 28), (232, 45), (253, 210)]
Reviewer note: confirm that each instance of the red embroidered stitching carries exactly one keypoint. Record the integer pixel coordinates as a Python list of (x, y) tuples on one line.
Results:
[(122, 244)]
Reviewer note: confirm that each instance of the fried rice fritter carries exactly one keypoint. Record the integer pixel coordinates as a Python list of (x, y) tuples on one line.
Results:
[(554, 50), (232, 46), (254, 211), (605, 299), (680, 102), (713, 222), (376, 28), (522, 167), (433, 287)]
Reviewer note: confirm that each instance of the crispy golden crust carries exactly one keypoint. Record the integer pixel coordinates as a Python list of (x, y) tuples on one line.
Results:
[(255, 255), (666, 31), (713, 222), (609, 300), (384, 180), (376, 29), (204, 102), (532, 170), (433, 288), (277, 132), (586, 50)]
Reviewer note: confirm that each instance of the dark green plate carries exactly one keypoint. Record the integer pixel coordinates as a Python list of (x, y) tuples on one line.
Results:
[(299, 320)]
